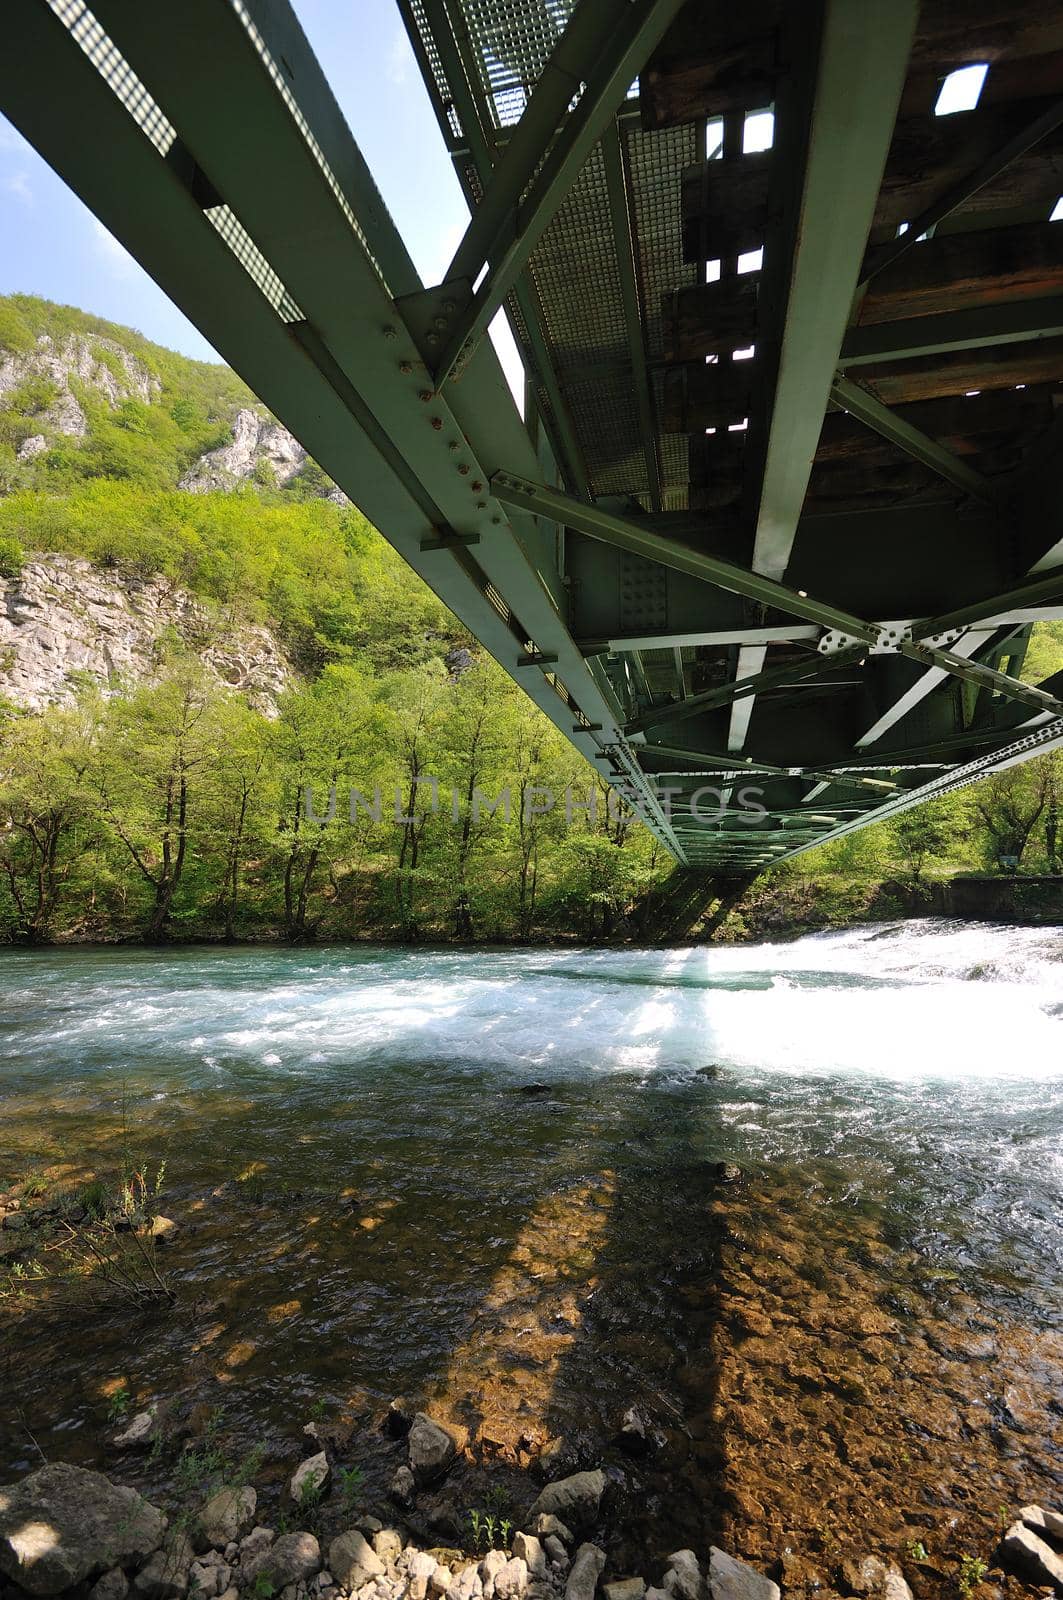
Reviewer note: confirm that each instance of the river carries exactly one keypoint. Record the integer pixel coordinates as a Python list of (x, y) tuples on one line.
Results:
[(489, 1181)]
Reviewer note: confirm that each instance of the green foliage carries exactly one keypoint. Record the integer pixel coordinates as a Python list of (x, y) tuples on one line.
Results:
[(972, 1571), (119, 1405), (12, 556)]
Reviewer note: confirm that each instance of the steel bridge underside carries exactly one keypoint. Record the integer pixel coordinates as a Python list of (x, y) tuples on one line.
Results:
[(784, 505)]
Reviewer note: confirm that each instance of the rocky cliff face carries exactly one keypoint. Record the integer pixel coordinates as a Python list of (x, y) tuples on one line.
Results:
[(63, 621), (257, 442), (85, 360)]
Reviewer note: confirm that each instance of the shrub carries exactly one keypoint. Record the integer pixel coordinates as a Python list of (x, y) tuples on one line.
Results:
[(12, 556)]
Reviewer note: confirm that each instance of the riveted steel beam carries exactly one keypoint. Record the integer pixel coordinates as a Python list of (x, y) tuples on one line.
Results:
[(475, 123), (627, 534), (315, 333)]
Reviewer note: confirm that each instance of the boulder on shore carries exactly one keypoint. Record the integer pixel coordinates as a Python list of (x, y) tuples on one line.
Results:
[(575, 1500), (63, 1524), (432, 1448), (734, 1580), (225, 1518)]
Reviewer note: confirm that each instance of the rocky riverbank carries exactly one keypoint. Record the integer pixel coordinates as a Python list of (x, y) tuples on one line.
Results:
[(68, 1531)]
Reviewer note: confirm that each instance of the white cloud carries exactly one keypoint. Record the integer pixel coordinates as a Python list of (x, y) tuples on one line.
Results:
[(110, 252), (399, 59), (18, 184)]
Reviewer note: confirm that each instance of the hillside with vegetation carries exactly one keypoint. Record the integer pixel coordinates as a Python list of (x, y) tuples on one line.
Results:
[(164, 800)]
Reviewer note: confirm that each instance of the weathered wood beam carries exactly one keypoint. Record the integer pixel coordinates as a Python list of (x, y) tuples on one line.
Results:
[(711, 318), (918, 444), (699, 396), (725, 202), (715, 59), (955, 270), (933, 376), (960, 422)]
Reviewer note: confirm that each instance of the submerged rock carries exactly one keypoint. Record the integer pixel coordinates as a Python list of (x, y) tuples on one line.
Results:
[(140, 1432), (874, 1577), (403, 1487), (63, 1524)]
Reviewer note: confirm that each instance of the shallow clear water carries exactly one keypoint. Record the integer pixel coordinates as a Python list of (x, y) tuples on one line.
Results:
[(363, 1177)]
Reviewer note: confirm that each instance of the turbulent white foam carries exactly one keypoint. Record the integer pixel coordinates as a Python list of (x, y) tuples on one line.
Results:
[(907, 1002)]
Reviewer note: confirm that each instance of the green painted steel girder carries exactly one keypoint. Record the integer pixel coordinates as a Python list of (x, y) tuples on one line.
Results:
[(873, 414), (622, 220), (859, 75), (474, 118), (627, 534), (603, 49), (1045, 586), (817, 666), (1014, 322)]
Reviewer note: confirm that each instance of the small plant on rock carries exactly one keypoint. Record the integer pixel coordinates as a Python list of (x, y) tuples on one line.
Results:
[(972, 1571), (916, 1550), (120, 1402), (350, 1486)]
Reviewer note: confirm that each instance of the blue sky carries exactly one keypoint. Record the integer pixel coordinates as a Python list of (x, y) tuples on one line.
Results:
[(51, 245)]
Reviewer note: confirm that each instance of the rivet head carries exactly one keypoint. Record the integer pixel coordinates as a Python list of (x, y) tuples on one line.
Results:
[(426, 395), (431, 338), (496, 520), (449, 307), (390, 331), (453, 445), (477, 486), (440, 323), (463, 468), (481, 505), (437, 423), (406, 367)]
